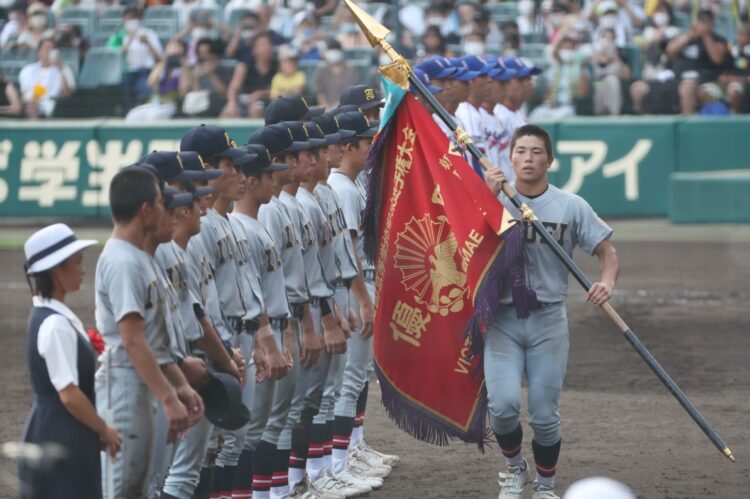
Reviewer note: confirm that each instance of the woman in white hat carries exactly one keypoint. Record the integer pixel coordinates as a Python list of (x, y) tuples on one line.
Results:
[(61, 364)]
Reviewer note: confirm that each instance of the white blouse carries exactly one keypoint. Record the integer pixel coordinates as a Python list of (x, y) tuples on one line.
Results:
[(57, 342)]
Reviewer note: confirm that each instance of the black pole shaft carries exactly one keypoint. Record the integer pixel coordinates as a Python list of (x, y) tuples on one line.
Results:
[(586, 284)]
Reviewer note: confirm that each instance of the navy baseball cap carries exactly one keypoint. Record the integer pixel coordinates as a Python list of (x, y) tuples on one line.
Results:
[(425, 81), (192, 161), (169, 167), (210, 141), (152, 170), (357, 122), (438, 68), (175, 198), (290, 108), (345, 108), (276, 138), (329, 124), (316, 133), (362, 96), (262, 161), (464, 74), (301, 137), (522, 69)]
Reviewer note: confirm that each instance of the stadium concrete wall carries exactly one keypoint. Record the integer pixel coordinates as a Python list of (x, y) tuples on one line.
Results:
[(622, 165)]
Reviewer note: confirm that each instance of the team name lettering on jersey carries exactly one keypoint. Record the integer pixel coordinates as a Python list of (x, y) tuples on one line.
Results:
[(556, 230)]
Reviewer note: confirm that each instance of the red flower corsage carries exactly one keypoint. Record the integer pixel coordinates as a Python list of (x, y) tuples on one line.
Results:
[(96, 340)]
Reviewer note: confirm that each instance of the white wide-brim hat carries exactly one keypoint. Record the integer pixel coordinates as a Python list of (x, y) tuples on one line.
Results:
[(51, 246)]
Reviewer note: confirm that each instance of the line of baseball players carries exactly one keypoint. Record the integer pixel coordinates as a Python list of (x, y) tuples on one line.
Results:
[(242, 266)]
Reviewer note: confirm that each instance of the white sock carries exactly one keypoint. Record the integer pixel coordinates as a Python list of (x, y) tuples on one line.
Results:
[(358, 434), (516, 460), (340, 459), (314, 467), (549, 481), (264, 494), (296, 476), (279, 491), (327, 462)]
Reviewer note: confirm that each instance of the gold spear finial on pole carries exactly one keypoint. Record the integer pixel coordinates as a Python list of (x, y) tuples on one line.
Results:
[(397, 71)]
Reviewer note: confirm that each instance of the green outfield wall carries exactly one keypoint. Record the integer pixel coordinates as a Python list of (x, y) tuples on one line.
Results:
[(622, 165)]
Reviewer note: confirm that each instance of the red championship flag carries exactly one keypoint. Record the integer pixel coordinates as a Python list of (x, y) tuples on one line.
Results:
[(432, 227)]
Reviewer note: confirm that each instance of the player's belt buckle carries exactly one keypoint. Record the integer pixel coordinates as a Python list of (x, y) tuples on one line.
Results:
[(316, 301), (279, 322), (369, 274), (250, 326)]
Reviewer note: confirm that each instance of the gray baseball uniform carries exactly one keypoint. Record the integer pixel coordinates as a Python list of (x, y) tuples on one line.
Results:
[(192, 285), (347, 263), (126, 283), (198, 254), (268, 415), (537, 346), (359, 354)]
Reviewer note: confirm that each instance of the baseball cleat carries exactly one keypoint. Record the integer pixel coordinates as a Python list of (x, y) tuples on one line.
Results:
[(363, 469), (327, 485), (347, 476), (387, 459), (368, 462), (513, 481), (543, 492)]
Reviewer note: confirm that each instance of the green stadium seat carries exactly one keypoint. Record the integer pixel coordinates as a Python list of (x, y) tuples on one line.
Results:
[(102, 67), (82, 17), (709, 197), (12, 61), (534, 38), (533, 50), (358, 54), (726, 26), (71, 57), (632, 55), (163, 20), (501, 12), (108, 23), (681, 19)]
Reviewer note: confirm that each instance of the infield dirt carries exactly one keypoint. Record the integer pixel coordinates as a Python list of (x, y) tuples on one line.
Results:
[(688, 303)]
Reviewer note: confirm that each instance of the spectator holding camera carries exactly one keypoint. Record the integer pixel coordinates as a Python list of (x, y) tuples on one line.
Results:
[(45, 81), (608, 72)]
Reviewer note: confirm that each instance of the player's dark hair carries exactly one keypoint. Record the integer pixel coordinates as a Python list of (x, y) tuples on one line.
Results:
[(534, 131), (129, 189), (351, 141), (43, 285)]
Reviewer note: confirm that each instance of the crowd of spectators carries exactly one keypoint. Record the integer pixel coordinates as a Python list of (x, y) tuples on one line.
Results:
[(230, 58)]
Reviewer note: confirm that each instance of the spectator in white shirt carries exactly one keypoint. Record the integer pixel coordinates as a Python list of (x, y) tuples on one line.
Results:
[(45, 81), (142, 50)]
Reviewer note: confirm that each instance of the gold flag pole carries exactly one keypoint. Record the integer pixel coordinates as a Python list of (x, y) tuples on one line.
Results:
[(399, 72)]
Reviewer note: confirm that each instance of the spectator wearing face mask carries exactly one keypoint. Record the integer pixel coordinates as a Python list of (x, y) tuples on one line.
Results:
[(334, 76), (474, 44), (45, 81), (36, 29), (306, 37), (608, 72), (199, 27), (185, 8), (622, 16), (566, 82), (142, 50), (239, 44), (250, 87), (654, 40), (170, 79)]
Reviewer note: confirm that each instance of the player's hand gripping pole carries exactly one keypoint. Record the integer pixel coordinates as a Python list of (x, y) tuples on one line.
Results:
[(400, 73)]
